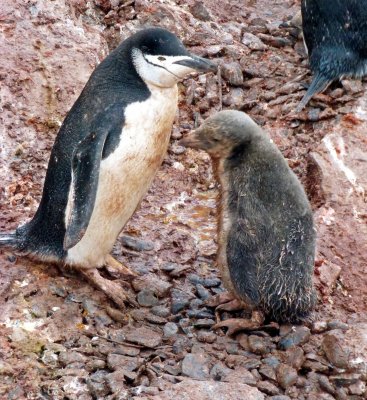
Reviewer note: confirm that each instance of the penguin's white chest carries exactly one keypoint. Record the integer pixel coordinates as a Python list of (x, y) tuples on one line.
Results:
[(126, 174)]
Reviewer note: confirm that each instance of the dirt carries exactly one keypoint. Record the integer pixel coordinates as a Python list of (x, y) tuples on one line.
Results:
[(47, 314)]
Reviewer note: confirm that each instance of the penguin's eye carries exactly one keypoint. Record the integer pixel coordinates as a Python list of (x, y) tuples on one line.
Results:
[(160, 58)]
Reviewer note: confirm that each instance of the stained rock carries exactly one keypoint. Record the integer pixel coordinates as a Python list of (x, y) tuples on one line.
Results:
[(136, 244), (232, 73), (147, 298), (299, 335), (144, 336), (68, 357), (286, 376), (153, 283), (170, 329), (206, 337), (199, 11), (190, 389), (195, 366), (268, 387), (180, 300), (253, 42), (335, 352), (258, 345)]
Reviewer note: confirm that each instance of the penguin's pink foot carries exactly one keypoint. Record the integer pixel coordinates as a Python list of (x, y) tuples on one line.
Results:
[(235, 325), (112, 289), (113, 266)]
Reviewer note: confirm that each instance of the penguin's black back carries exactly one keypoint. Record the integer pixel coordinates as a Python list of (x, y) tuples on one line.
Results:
[(112, 86), (339, 26), (271, 242)]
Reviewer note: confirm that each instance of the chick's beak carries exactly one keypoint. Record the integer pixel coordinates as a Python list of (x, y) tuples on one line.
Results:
[(198, 63), (191, 140)]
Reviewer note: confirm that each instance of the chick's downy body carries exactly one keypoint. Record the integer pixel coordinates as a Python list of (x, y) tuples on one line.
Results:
[(266, 236)]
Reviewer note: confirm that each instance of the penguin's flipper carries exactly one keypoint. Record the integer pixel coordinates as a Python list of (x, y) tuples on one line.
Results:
[(319, 84), (85, 166)]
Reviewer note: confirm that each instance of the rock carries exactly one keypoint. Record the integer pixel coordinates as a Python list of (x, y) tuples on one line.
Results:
[(219, 372), (325, 384), (97, 384), (147, 298), (286, 376), (329, 274), (153, 283), (337, 325), (295, 357), (116, 382), (204, 323), (144, 337), (232, 73), (169, 330), (253, 42), (199, 11), (240, 375), (274, 41), (271, 361), (206, 282), (200, 314), (95, 364), (268, 372), (196, 366), (258, 345), (319, 327), (176, 149), (160, 311), (190, 389), (206, 337), (136, 244), (235, 98), (358, 388), (335, 352), (280, 397), (180, 300), (299, 335), (202, 292), (68, 357), (121, 362), (268, 388)]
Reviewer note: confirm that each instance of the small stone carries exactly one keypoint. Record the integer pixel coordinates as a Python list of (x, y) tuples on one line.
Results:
[(116, 314), (97, 384), (219, 372), (196, 303), (268, 372), (358, 388), (295, 357), (325, 384), (206, 337), (199, 11), (147, 298), (298, 336), (204, 323), (267, 387), (168, 267), (206, 282), (345, 379), (232, 73), (271, 361), (286, 376), (151, 282), (202, 292), (145, 337), (160, 311), (181, 344), (116, 382), (319, 327), (39, 311), (200, 314), (195, 366), (180, 300), (68, 357), (170, 329), (136, 244), (258, 345), (50, 358), (334, 351), (177, 149), (235, 97), (58, 290), (120, 362), (335, 324), (95, 364), (240, 375), (280, 397), (253, 42)]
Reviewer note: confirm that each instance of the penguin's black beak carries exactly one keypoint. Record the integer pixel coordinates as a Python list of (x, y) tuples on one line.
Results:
[(198, 63), (191, 140)]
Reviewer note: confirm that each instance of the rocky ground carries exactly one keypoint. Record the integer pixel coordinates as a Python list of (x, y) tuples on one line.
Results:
[(62, 339)]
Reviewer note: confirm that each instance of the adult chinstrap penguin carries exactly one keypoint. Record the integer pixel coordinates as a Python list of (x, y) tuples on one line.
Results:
[(106, 154), (266, 235), (335, 36)]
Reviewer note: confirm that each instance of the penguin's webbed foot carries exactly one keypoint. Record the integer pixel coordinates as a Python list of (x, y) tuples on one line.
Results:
[(112, 289), (115, 267), (235, 325)]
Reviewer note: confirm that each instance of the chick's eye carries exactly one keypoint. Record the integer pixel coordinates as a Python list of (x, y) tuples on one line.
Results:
[(160, 58)]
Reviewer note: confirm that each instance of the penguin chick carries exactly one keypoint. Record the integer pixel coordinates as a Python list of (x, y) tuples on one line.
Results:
[(335, 36), (266, 235), (106, 154)]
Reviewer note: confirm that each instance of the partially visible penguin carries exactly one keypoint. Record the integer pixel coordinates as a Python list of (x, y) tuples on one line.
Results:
[(106, 154), (266, 234), (335, 35)]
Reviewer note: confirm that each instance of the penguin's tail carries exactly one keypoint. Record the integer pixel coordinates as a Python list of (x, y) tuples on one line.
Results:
[(318, 84), (8, 240)]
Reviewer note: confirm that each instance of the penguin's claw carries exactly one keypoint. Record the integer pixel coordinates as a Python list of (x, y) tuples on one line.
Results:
[(235, 325), (115, 266), (219, 299), (111, 288)]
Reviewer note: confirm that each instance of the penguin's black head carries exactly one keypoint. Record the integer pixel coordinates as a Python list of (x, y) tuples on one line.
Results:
[(220, 134), (161, 59)]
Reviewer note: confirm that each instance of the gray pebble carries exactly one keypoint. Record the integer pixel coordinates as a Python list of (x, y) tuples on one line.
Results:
[(147, 298), (170, 329), (196, 366), (180, 300), (206, 337), (286, 376), (300, 335), (204, 323), (202, 292), (267, 387), (136, 244), (258, 345), (161, 311)]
